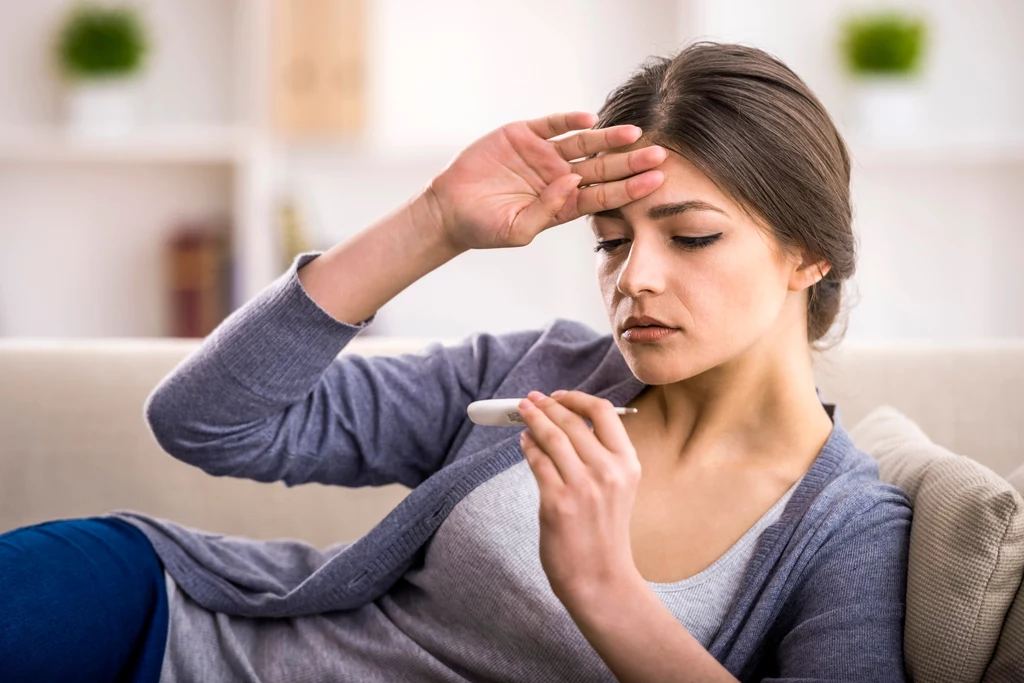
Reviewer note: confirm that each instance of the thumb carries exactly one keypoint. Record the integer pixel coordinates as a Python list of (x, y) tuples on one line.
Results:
[(543, 210)]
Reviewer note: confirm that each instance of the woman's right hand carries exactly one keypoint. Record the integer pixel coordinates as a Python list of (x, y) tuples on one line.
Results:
[(515, 182)]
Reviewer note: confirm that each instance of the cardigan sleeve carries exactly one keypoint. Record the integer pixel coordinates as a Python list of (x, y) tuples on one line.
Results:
[(845, 621), (267, 397)]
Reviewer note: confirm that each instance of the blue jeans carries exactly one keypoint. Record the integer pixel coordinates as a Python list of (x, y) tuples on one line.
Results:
[(81, 600)]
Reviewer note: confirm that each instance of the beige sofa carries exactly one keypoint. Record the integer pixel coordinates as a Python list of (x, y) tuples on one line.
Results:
[(73, 441)]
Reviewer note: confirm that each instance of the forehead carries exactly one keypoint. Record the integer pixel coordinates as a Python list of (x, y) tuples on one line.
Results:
[(683, 182)]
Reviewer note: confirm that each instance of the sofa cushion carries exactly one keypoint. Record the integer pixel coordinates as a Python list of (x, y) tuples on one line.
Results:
[(966, 548)]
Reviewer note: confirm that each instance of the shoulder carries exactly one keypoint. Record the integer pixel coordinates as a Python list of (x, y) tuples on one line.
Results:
[(576, 331), (574, 352), (849, 483), (853, 517), (844, 613), (559, 349), (560, 354), (557, 340), (858, 523), (875, 520), (554, 331), (852, 544), (857, 489)]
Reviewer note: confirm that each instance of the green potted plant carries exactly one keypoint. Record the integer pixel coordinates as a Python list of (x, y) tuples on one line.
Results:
[(883, 53), (100, 51)]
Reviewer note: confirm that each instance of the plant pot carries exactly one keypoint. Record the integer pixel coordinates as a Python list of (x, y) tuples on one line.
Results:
[(887, 107), (105, 107)]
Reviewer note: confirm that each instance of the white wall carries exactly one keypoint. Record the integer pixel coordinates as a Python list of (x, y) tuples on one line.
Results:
[(81, 242), (973, 75), (83, 245), (940, 236), (188, 77), (433, 92)]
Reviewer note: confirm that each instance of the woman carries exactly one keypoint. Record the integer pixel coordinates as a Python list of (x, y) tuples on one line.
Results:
[(729, 530)]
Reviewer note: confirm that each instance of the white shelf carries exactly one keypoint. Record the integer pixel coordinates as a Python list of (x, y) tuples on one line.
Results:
[(153, 144), (935, 150), (230, 143)]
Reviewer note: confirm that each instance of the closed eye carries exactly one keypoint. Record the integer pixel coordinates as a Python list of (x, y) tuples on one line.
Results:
[(690, 243)]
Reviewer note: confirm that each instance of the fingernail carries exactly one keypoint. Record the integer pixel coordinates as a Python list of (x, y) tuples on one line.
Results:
[(525, 405), (556, 394)]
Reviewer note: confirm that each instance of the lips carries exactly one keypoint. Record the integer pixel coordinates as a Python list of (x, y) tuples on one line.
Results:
[(648, 335), (643, 321)]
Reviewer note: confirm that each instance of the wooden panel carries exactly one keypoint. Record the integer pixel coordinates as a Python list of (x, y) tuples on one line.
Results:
[(318, 68)]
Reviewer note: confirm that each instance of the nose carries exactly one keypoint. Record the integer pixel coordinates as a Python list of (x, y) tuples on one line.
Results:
[(643, 270)]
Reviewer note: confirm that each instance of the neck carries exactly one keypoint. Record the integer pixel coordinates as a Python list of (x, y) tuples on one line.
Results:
[(760, 408)]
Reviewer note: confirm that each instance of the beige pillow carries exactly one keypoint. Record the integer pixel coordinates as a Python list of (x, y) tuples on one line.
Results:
[(1008, 663), (1017, 479), (966, 549)]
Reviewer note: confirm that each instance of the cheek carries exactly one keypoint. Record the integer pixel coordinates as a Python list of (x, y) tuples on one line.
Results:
[(606, 279), (733, 290)]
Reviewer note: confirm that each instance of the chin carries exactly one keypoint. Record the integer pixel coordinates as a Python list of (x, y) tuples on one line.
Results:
[(656, 369)]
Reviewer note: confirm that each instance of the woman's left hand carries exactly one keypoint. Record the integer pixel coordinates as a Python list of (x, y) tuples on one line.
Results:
[(587, 481)]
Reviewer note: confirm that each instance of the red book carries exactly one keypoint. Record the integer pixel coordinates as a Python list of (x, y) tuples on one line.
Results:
[(198, 286)]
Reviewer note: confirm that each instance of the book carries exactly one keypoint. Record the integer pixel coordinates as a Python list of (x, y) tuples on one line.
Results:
[(318, 72), (200, 271), (293, 230)]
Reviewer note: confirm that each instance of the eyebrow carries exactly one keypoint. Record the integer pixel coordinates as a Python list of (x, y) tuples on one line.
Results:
[(666, 210)]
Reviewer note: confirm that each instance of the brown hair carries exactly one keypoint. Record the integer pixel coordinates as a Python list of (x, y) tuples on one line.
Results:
[(754, 128)]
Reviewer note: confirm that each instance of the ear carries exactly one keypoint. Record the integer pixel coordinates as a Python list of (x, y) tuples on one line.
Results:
[(808, 273)]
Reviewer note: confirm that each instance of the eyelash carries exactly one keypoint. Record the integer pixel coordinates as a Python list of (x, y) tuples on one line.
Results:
[(691, 243)]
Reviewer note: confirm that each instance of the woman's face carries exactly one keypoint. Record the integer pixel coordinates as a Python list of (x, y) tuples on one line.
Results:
[(687, 255)]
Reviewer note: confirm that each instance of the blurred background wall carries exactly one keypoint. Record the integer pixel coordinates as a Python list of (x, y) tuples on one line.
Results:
[(99, 224)]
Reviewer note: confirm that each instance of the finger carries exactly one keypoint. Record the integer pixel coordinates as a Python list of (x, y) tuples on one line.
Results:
[(603, 196), (544, 470), (586, 443), (608, 425), (616, 166), (593, 141), (542, 211), (553, 441), (556, 124)]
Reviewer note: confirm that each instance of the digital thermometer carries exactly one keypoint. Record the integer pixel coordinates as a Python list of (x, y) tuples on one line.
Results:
[(504, 412)]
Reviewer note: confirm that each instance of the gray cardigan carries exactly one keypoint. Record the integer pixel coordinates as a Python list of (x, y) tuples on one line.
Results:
[(267, 397)]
